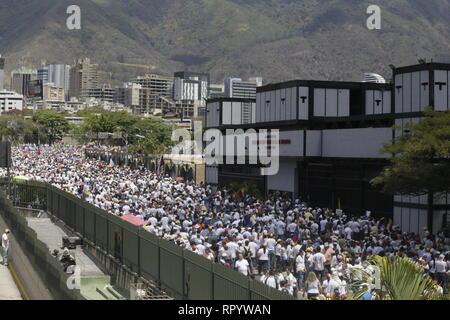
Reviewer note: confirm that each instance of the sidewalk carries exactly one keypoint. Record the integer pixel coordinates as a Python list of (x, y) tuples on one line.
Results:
[(8, 288)]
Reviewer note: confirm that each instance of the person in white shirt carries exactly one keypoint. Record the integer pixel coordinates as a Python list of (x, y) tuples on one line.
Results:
[(312, 286), (263, 258), (5, 247), (291, 283), (440, 269), (318, 264), (242, 265), (330, 285), (271, 280), (271, 243), (232, 250), (281, 228)]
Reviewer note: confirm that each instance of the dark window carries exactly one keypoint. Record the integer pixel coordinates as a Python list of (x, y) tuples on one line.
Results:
[(356, 102)]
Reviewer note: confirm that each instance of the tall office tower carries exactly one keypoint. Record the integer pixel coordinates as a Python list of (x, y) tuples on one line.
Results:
[(2, 73), (57, 74), (20, 79), (84, 76)]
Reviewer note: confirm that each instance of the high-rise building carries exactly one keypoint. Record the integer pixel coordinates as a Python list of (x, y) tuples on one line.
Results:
[(237, 88), (2, 73), (20, 79), (84, 76), (57, 74)]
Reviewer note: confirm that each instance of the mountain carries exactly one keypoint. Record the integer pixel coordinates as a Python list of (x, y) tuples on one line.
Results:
[(276, 39)]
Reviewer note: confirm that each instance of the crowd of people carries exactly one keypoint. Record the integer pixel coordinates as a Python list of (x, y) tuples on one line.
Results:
[(305, 251)]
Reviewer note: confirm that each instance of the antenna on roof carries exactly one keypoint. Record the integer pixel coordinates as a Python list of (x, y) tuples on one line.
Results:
[(422, 61)]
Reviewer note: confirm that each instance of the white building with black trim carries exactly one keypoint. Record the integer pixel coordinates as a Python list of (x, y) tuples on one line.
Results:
[(330, 137)]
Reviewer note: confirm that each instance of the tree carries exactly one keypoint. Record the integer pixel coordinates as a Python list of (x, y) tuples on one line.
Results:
[(401, 279), (90, 111), (17, 130), (156, 137), (53, 125), (420, 163), (149, 136)]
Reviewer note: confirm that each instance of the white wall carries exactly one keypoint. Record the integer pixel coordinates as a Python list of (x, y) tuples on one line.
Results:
[(303, 103), (413, 94), (331, 102), (355, 143), (211, 175), (441, 92), (226, 112), (276, 105), (411, 219), (291, 143), (378, 102), (314, 143), (285, 179), (213, 114)]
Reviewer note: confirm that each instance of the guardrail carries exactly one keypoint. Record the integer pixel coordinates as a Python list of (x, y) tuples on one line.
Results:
[(179, 272)]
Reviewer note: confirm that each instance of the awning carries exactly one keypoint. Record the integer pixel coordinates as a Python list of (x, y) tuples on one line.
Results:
[(133, 220)]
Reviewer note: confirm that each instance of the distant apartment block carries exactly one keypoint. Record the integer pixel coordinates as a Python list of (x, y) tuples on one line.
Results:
[(10, 100), (104, 93), (128, 95), (155, 95), (53, 92), (237, 88)]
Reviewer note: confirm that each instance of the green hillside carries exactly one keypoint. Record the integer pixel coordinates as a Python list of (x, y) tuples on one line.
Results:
[(275, 39)]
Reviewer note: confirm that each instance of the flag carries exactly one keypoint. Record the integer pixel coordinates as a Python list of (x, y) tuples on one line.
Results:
[(388, 227)]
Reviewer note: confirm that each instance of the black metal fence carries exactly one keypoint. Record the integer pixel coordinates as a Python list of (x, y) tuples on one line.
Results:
[(48, 267)]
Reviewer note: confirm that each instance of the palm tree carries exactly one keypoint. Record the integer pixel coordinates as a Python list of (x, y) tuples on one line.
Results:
[(402, 279)]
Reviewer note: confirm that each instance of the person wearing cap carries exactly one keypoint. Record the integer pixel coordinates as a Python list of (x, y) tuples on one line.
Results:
[(5, 247)]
